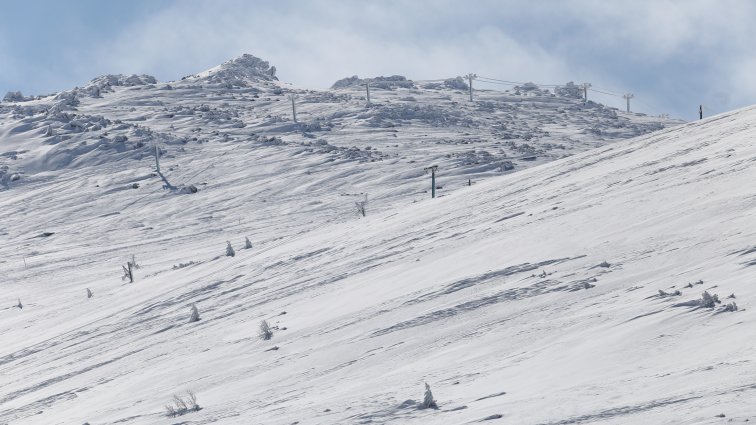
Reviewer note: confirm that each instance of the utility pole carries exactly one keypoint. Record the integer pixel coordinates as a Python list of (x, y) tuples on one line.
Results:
[(585, 91), (157, 158), (700, 112), (293, 97), (470, 78), (628, 96), (367, 88), (432, 169)]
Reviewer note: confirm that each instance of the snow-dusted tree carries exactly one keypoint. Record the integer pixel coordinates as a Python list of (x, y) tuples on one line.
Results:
[(229, 250), (708, 300), (19, 305), (191, 401), (247, 243), (89, 293), (195, 316), (362, 206), (266, 332), (428, 401)]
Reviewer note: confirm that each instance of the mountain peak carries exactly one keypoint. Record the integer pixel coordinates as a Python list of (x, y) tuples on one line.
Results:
[(240, 71)]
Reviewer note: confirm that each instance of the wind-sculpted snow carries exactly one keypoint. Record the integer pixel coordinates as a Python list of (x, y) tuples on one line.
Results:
[(562, 274), (239, 72)]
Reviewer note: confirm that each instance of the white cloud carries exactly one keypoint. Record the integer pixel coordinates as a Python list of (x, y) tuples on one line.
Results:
[(666, 51), (318, 45)]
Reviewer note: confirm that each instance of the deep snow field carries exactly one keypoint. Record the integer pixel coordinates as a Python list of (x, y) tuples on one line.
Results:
[(545, 292)]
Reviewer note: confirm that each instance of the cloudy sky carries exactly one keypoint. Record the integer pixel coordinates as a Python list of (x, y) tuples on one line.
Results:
[(673, 55)]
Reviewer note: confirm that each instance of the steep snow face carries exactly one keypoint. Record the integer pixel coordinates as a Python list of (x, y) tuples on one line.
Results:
[(608, 286)]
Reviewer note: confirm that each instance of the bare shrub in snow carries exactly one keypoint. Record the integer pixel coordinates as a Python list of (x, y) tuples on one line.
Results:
[(361, 206), (428, 401), (182, 405), (128, 270), (195, 316), (229, 250), (266, 332), (247, 243)]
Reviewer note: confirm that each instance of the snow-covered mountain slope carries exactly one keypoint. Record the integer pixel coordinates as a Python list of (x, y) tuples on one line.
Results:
[(533, 298)]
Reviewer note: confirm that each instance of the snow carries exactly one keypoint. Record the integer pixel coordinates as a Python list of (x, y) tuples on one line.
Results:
[(527, 296)]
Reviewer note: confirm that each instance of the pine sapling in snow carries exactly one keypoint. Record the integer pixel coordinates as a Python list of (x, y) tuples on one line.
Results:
[(229, 250), (19, 305), (247, 243), (428, 401), (195, 317), (89, 294)]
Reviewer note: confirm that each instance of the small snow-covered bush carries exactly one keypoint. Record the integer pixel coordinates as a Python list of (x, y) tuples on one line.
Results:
[(188, 189), (247, 243), (266, 332), (506, 166), (669, 294), (195, 316), (708, 300), (229, 250), (730, 307), (457, 83), (14, 96), (182, 265)]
